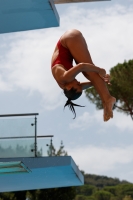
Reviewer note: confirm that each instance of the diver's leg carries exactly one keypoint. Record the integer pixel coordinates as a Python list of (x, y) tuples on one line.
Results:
[(76, 43), (107, 100)]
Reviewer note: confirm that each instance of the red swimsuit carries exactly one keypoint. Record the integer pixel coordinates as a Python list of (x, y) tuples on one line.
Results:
[(64, 57)]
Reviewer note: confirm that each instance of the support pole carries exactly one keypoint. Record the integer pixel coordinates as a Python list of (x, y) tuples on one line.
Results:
[(35, 136)]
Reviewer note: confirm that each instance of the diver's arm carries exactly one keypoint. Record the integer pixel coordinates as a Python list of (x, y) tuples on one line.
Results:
[(86, 85), (70, 75)]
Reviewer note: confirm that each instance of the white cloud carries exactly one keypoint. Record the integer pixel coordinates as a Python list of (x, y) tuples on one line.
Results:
[(3, 85), (101, 160), (82, 122), (27, 65), (120, 121), (25, 61)]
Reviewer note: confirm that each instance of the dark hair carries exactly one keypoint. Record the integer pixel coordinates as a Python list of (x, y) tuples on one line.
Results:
[(72, 95)]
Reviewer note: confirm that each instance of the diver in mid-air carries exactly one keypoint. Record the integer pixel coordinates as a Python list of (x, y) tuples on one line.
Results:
[(72, 45)]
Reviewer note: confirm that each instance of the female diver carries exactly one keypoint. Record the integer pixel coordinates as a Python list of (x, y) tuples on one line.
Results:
[(72, 45)]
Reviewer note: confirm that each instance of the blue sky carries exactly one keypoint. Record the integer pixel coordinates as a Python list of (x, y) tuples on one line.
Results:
[(27, 85)]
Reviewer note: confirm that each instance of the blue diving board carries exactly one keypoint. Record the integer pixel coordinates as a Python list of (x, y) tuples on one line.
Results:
[(44, 172), (23, 15)]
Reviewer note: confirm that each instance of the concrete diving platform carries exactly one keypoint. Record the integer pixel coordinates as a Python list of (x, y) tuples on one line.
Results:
[(18, 15), (42, 173)]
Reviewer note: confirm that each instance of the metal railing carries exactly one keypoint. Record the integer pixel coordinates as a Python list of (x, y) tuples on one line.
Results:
[(18, 137)]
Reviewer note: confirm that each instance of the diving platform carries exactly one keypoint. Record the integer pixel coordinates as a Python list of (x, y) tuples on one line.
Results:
[(44, 172), (24, 15), (26, 158)]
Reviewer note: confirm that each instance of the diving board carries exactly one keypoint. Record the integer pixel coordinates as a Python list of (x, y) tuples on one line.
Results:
[(22, 15), (40, 173)]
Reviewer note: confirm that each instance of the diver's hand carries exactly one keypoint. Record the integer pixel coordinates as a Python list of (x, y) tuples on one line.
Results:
[(102, 72), (104, 76), (107, 79)]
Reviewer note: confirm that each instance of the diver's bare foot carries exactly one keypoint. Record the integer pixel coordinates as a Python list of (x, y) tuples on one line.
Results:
[(108, 106)]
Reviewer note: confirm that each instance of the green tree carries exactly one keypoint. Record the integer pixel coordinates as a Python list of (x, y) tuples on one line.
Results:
[(101, 181), (127, 197), (65, 193), (102, 195), (120, 191), (115, 198), (82, 197), (124, 190), (111, 189), (7, 196), (53, 152), (121, 88), (20, 195), (91, 198), (86, 190)]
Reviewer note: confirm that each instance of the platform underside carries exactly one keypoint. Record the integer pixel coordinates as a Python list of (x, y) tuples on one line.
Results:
[(18, 15)]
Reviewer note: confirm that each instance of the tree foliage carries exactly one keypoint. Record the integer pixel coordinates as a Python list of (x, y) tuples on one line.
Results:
[(102, 195), (121, 88), (102, 187), (65, 193), (102, 181), (53, 152), (87, 190)]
